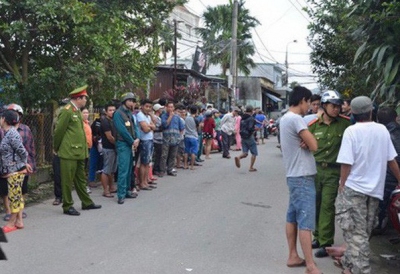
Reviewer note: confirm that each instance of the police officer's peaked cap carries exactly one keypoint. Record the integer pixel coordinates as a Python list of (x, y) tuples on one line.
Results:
[(127, 96), (79, 92)]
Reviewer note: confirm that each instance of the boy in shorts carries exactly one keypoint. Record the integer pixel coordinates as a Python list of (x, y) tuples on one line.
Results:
[(247, 128), (191, 138)]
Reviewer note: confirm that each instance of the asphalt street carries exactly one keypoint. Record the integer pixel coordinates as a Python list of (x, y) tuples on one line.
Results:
[(217, 219)]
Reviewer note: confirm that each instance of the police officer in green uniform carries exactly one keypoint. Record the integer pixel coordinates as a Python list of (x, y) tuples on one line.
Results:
[(127, 141), (70, 145), (328, 129)]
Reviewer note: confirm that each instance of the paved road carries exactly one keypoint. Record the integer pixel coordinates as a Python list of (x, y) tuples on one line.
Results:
[(215, 220)]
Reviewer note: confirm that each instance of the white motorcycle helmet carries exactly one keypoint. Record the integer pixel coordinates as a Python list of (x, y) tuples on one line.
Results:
[(331, 96), (16, 108)]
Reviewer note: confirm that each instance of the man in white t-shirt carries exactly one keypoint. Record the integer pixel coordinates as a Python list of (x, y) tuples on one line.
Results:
[(297, 144), (365, 152), (146, 127)]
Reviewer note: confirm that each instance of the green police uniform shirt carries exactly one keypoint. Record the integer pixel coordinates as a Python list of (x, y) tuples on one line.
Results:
[(69, 140), (329, 137)]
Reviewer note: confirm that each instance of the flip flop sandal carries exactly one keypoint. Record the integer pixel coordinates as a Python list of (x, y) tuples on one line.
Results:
[(253, 170), (7, 217), (8, 229), (338, 263), (57, 202), (24, 215), (108, 195), (301, 264)]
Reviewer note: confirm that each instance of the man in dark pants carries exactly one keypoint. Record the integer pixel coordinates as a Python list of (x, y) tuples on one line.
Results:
[(57, 180), (172, 130), (387, 117), (227, 129), (70, 145)]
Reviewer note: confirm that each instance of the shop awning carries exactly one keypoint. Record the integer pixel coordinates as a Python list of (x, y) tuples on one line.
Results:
[(273, 97)]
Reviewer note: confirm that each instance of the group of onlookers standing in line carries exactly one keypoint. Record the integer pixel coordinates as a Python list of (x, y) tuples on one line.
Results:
[(336, 166), (134, 143)]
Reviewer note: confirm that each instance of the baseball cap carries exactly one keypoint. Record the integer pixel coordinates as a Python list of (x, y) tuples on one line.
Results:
[(157, 107), (361, 104)]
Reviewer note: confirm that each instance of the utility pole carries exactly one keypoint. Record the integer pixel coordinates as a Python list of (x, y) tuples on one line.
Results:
[(287, 71), (233, 68), (175, 51)]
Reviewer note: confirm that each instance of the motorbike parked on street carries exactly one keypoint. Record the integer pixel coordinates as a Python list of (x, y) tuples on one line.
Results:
[(394, 209), (272, 128)]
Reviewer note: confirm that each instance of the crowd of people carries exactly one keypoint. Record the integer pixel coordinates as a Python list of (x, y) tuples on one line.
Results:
[(127, 147), (326, 144), (135, 143), (330, 174)]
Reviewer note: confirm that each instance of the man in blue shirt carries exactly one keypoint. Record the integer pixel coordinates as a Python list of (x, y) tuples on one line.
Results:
[(172, 130)]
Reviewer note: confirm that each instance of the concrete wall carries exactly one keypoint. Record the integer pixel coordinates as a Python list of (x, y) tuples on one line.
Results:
[(249, 91)]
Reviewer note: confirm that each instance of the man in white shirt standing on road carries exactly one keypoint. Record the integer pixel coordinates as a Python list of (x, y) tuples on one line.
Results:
[(364, 155)]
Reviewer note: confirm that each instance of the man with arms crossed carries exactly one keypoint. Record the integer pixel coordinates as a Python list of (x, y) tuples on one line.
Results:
[(297, 146)]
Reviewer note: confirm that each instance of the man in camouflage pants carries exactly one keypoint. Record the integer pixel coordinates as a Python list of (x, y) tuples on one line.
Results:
[(365, 152)]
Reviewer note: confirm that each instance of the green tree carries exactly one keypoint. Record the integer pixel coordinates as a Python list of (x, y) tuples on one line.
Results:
[(380, 51), (355, 46), (47, 48), (334, 46), (217, 34)]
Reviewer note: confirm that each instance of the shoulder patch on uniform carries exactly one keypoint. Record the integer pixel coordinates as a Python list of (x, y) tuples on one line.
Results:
[(344, 117), (313, 122)]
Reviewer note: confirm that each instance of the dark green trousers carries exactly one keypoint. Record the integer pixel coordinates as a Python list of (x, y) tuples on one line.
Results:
[(326, 187), (73, 173)]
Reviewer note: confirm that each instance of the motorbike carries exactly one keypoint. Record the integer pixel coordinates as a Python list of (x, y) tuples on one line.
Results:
[(394, 209), (272, 128), (391, 215)]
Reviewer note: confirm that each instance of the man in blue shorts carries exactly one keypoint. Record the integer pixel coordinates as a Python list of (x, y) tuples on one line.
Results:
[(297, 144), (146, 127), (247, 128), (191, 138)]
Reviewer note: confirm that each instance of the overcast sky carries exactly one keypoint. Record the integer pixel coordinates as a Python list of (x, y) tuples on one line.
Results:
[(282, 21)]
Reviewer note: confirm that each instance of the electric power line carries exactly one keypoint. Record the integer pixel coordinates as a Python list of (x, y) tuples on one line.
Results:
[(302, 14), (262, 43), (201, 2)]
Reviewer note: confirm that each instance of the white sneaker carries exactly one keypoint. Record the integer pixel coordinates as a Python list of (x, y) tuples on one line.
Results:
[(88, 190)]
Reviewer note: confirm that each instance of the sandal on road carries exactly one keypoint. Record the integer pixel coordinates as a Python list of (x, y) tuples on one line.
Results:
[(108, 195), (7, 217), (252, 169)]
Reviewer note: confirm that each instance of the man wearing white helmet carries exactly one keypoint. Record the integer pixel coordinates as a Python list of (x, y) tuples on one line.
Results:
[(29, 144), (328, 129)]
